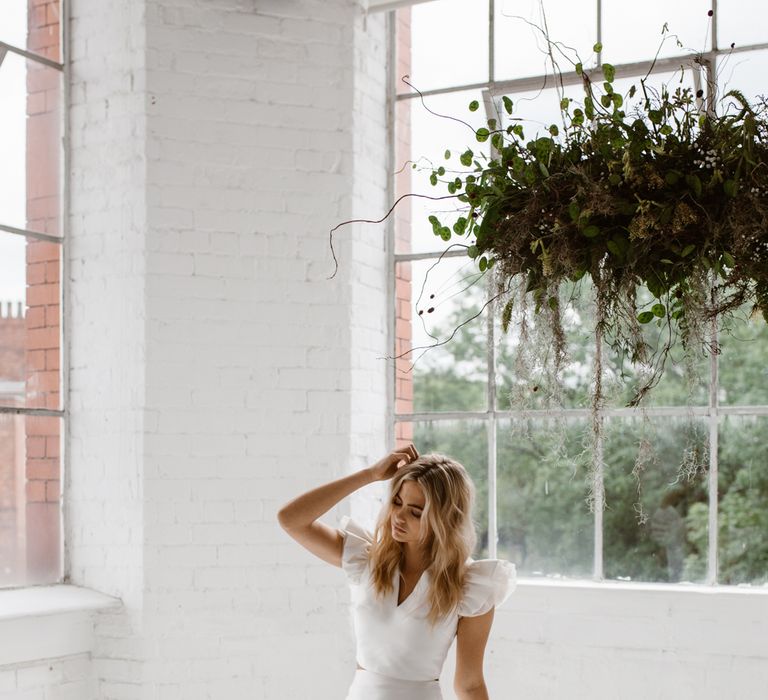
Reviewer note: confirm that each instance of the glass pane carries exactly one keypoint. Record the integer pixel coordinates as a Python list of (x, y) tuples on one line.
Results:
[(742, 22), (32, 25), (743, 494), (30, 143), (657, 530), (534, 110), (684, 381), (13, 23), (520, 48), (29, 500), (545, 526), (653, 84), (29, 322), (466, 442), (537, 109), (439, 30), (449, 373), (422, 141), (525, 382), (633, 31), (743, 362), (744, 72)]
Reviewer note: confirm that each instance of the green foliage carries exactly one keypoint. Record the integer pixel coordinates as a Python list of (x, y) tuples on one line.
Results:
[(639, 191), (542, 471)]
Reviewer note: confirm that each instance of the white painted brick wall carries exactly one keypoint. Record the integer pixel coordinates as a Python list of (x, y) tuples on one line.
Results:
[(67, 678), (105, 303), (249, 142), (614, 642)]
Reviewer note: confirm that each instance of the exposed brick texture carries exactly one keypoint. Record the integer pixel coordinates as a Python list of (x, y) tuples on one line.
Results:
[(403, 185), (216, 370), (43, 332), (12, 535)]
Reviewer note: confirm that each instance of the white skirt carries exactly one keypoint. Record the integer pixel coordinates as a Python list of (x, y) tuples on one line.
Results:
[(367, 685)]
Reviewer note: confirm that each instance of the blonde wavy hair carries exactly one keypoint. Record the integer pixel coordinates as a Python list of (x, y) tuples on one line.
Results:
[(447, 532)]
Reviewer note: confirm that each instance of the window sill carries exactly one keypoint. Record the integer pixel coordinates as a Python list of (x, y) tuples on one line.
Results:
[(43, 622), (534, 582)]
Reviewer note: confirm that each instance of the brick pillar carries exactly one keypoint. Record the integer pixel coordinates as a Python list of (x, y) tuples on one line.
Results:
[(43, 294), (403, 184)]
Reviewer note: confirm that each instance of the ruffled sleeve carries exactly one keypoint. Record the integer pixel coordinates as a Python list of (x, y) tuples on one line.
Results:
[(357, 543), (488, 583)]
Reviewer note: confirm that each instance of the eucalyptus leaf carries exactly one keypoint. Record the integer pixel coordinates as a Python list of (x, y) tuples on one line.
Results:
[(589, 108), (645, 317), (694, 183)]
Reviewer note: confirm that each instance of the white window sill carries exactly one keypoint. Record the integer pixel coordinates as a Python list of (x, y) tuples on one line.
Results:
[(43, 622), (640, 587)]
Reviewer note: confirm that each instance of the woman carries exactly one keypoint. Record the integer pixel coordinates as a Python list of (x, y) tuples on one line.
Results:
[(414, 586)]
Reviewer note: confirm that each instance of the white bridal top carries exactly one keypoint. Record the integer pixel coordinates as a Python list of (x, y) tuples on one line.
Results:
[(397, 640)]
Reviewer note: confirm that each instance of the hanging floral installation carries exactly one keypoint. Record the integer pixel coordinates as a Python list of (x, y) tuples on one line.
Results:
[(655, 194), (654, 197)]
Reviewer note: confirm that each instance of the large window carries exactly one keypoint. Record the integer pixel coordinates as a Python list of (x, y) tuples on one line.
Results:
[(685, 481), (31, 238)]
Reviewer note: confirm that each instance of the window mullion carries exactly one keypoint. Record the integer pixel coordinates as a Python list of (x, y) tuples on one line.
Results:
[(598, 485), (714, 421), (491, 45), (493, 536)]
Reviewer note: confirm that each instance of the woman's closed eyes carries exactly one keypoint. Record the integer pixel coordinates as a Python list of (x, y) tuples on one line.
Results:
[(413, 511)]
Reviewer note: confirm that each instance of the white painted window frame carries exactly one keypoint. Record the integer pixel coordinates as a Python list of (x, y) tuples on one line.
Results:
[(713, 412), (62, 67)]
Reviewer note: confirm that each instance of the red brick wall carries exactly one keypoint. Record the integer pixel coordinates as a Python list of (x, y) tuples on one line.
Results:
[(43, 435), (403, 375), (12, 338)]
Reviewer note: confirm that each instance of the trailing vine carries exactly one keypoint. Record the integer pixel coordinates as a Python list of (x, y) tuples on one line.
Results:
[(652, 196)]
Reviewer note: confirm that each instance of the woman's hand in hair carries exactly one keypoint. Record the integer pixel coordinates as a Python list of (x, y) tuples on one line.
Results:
[(387, 467)]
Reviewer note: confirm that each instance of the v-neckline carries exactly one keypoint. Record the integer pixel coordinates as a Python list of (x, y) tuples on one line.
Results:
[(413, 590)]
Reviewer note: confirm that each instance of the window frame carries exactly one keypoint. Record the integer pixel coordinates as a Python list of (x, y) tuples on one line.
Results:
[(60, 240), (713, 412)]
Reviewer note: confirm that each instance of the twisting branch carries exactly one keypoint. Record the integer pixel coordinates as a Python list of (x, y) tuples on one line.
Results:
[(377, 221), (432, 112), (437, 344)]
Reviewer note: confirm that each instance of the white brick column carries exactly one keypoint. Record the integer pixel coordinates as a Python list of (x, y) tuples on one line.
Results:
[(216, 370)]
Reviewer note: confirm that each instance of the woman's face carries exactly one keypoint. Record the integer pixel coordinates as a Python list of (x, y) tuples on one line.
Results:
[(406, 511)]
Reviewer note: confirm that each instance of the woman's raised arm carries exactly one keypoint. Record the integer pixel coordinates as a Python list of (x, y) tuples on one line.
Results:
[(299, 516)]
